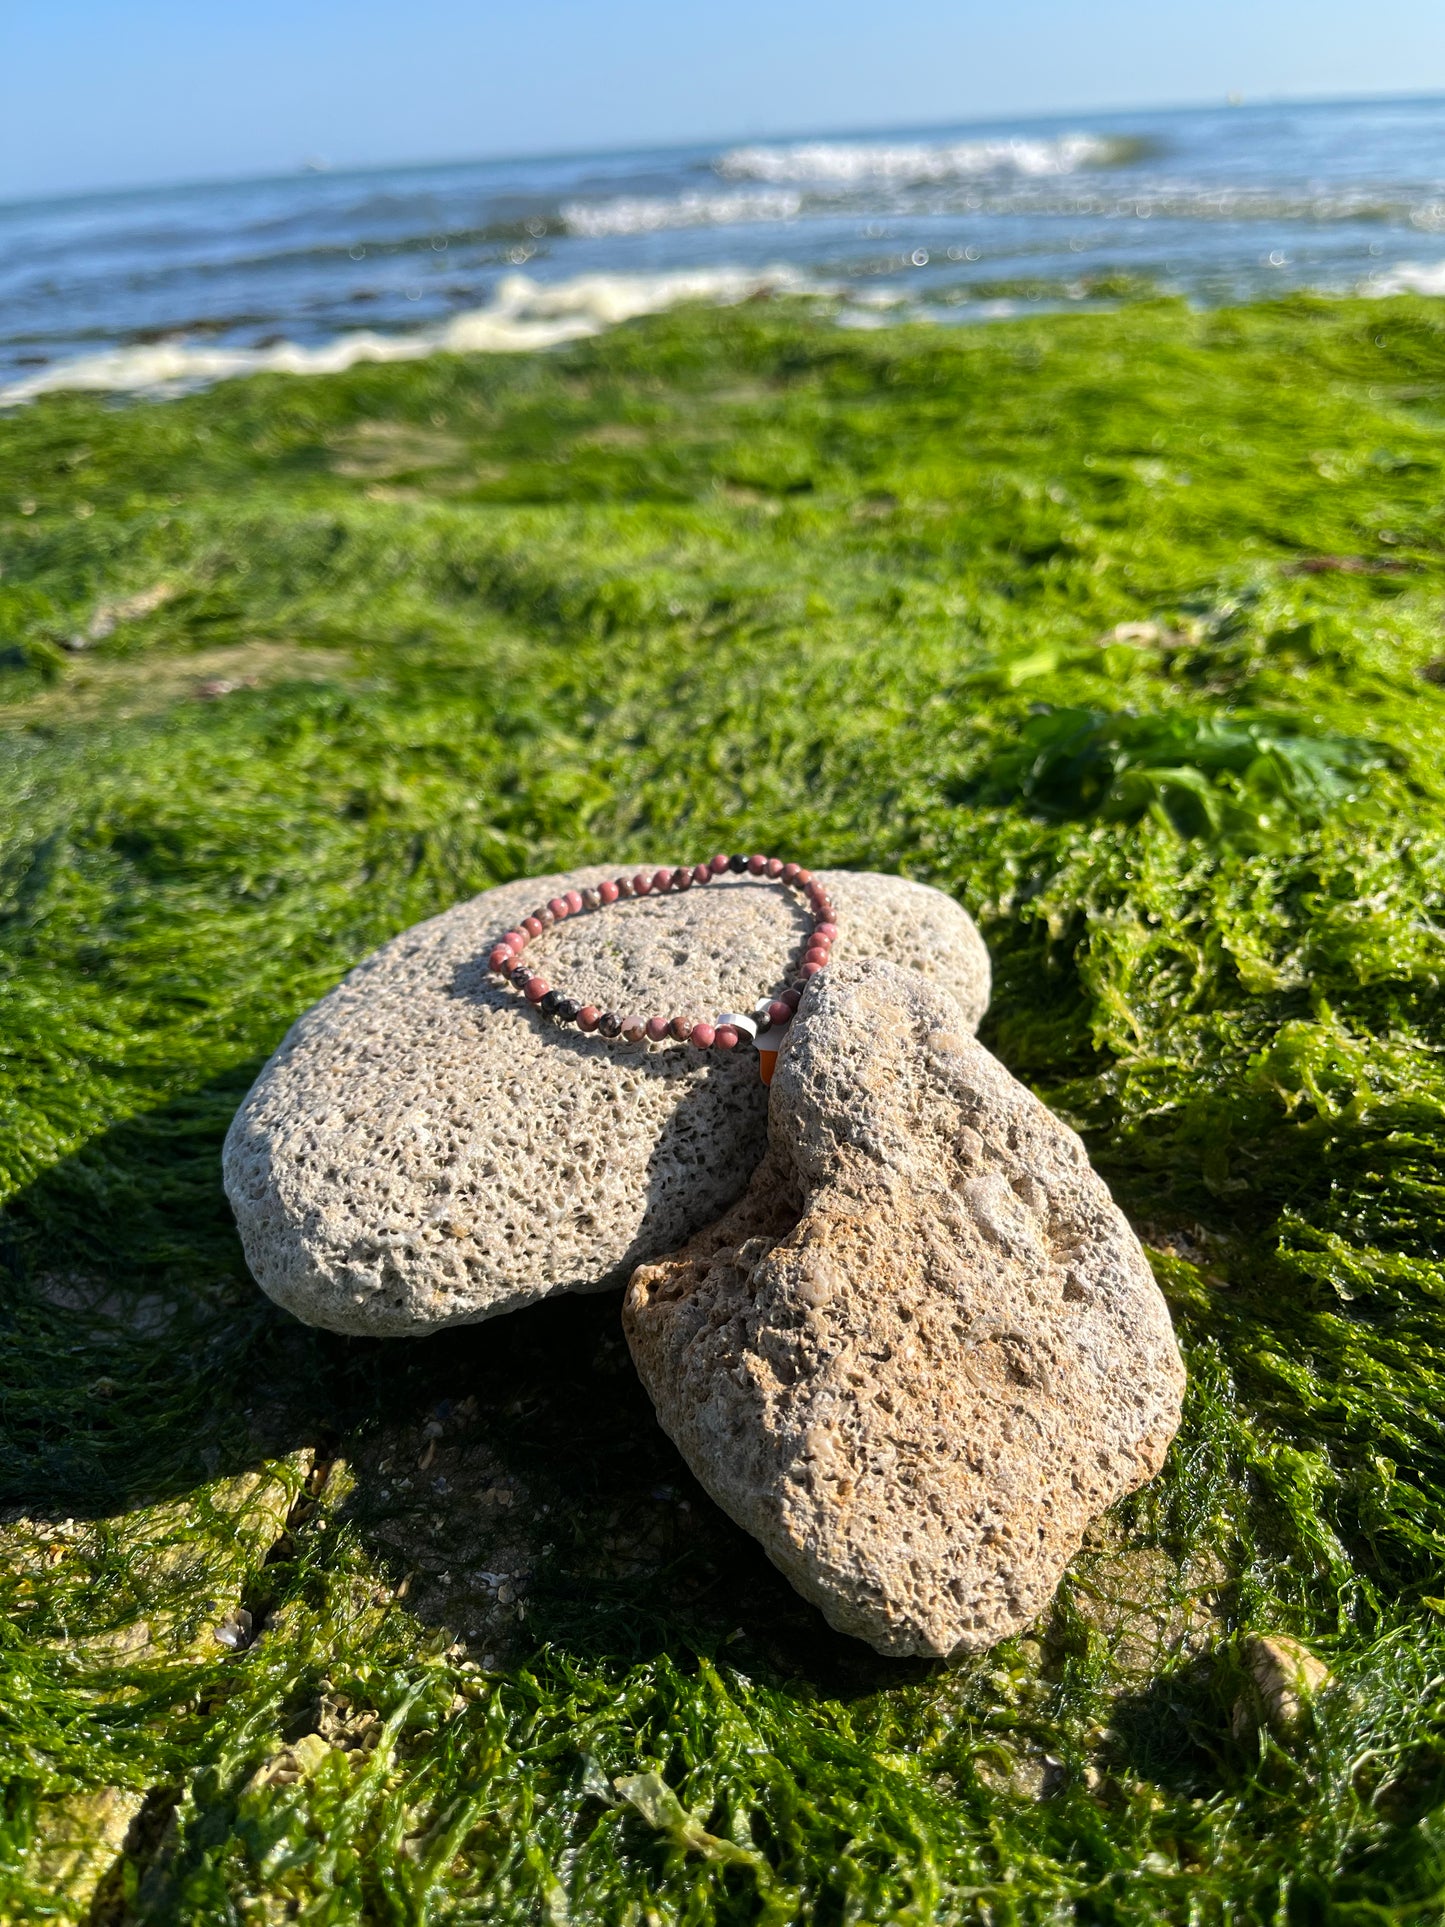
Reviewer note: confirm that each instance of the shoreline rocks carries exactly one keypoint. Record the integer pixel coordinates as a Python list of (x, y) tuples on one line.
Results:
[(425, 1150), (925, 1349)]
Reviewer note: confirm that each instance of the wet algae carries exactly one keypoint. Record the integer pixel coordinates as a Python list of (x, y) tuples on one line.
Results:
[(1125, 628)]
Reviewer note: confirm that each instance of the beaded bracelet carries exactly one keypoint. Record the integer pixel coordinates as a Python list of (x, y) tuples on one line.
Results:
[(763, 1028)]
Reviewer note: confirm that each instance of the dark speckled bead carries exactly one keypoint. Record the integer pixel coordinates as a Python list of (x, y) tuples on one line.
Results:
[(567, 1009), (550, 1002), (737, 864), (522, 976), (609, 1024)]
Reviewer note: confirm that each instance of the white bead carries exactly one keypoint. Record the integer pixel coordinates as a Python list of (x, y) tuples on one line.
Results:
[(747, 1025)]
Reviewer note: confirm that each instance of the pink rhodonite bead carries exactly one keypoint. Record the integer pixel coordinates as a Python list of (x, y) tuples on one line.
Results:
[(726, 1032)]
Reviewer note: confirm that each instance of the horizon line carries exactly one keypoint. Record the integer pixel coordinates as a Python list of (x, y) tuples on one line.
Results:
[(322, 170)]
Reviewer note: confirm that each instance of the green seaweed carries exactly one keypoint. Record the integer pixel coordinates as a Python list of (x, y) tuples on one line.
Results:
[(1124, 628), (1203, 775)]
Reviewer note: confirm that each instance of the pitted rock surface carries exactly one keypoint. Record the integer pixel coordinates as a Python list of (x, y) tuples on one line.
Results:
[(424, 1149), (925, 1349)]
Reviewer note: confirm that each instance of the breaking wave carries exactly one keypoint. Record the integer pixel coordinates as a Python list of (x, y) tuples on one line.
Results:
[(1408, 277), (848, 163), (641, 215), (525, 314)]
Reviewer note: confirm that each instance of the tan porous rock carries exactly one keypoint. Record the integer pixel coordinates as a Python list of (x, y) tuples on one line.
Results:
[(1285, 1676), (925, 1349), (424, 1149)]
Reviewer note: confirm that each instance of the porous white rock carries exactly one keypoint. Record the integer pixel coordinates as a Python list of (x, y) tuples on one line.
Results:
[(925, 1349), (424, 1149)]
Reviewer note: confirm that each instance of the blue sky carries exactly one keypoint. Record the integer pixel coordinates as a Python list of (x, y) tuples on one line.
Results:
[(109, 93)]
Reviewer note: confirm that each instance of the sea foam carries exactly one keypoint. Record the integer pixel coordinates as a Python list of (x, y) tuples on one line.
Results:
[(524, 315)]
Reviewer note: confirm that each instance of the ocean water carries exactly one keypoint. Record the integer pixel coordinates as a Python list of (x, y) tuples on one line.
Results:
[(164, 288)]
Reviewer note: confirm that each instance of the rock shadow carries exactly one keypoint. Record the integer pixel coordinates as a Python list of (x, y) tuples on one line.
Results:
[(1174, 1731), (139, 1360), (516, 1482), (509, 1478)]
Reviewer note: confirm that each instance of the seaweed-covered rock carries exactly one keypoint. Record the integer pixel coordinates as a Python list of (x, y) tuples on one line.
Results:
[(424, 1149), (925, 1350)]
